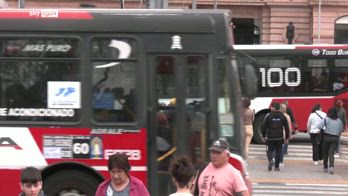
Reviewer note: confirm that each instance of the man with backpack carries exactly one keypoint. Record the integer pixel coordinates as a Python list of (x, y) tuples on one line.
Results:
[(273, 134)]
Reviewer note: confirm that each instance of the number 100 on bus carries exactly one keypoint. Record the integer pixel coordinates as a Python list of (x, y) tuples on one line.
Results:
[(276, 77)]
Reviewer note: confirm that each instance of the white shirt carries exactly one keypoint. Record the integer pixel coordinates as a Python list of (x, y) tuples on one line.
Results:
[(181, 194), (314, 121)]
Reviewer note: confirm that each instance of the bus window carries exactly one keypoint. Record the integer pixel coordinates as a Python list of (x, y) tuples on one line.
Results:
[(279, 74), (226, 116), (114, 48), (277, 62), (275, 74), (165, 77), (113, 80), (43, 86), (319, 75), (262, 61), (196, 105), (165, 87), (114, 93), (340, 74)]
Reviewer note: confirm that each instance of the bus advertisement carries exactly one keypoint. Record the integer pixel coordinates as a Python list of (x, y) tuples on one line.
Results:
[(77, 86), (303, 75)]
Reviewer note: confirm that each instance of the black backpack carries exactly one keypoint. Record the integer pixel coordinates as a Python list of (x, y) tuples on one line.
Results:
[(276, 123)]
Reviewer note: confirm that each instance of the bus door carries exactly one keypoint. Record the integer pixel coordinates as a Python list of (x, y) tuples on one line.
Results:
[(178, 89)]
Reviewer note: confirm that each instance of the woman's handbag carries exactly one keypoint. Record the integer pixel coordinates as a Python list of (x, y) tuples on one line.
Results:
[(320, 136)]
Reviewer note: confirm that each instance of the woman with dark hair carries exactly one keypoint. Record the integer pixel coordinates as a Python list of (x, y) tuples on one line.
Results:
[(333, 129), (249, 117), (120, 182), (313, 123), (182, 171)]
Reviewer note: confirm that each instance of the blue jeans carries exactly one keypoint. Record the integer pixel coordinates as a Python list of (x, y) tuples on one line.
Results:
[(283, 152), (285, 148), (275, 146)]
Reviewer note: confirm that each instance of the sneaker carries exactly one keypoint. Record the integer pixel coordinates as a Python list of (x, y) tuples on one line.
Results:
[(325, 170), (270, 165), (315, 162), (320, 162), (331, 170), (281, 164), (276, 169)]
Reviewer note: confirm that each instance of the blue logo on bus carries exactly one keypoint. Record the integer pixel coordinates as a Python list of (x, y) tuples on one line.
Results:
[(65, 91)]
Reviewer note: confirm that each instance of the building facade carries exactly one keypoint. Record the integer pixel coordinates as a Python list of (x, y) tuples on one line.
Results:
[(254, 21)]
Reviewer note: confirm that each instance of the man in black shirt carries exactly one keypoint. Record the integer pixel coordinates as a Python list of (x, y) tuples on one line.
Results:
[(272, 133)]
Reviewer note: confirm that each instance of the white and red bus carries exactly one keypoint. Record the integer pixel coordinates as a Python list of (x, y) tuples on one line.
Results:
[(301, 74), (79, 85)]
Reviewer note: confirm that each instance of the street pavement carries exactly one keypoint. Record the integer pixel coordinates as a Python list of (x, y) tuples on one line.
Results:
[(298, 167), (299, 176), (344, 138), (280, 189)]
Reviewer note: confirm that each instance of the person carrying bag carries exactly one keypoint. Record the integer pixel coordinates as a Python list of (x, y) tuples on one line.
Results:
[(314, 120), (333, 130), (321, 132)]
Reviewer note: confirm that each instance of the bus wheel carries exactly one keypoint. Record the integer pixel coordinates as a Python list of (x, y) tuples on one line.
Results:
[(257, 138), (70, 183)]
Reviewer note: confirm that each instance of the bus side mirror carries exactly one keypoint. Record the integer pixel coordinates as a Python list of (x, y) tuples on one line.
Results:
[(249, 81)]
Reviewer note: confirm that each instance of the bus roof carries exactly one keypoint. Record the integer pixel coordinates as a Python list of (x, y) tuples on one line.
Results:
[(290, 47), (113, 20)]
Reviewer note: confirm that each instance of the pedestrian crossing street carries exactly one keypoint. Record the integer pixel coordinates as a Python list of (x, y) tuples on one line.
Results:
[(295, 152), (286, 189)]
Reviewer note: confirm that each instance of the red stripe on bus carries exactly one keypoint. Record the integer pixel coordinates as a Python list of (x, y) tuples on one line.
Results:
[(45, 14)]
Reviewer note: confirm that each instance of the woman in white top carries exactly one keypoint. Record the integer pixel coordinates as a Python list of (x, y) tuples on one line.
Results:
[(182, 171), (313, 123)]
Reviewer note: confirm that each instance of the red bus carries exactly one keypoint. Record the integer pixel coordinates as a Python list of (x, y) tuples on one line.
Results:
[(79, 85), (301, 74)]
